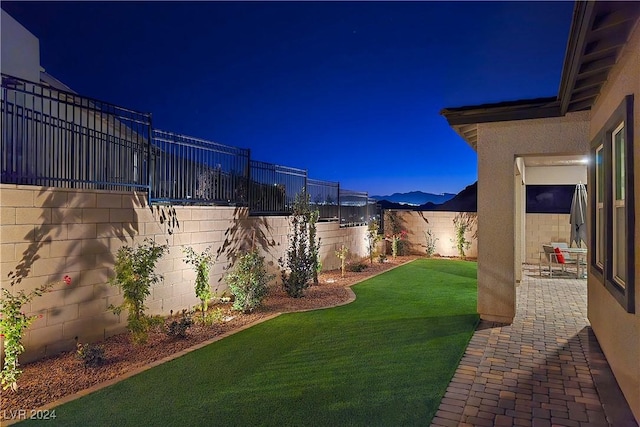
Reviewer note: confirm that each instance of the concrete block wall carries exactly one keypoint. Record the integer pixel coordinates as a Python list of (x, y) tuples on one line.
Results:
[(441, 225), (47, 233), (542, 229)]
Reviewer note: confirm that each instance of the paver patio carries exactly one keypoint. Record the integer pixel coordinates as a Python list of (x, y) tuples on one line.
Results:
[(544, 369)]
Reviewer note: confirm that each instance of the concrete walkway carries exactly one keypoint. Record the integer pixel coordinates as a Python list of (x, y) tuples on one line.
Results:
[(545, 369)]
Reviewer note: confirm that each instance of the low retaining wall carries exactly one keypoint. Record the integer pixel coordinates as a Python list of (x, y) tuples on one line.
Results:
[(441, 226), (49, 233)]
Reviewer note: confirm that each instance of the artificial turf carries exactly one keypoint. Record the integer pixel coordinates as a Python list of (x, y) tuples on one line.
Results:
[(385, 359)]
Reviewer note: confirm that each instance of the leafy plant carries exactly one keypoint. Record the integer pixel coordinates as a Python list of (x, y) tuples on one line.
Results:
[(462, 223), (248, 281), (91, 354), (314, 243), (357, 267), (13, 322), (397, 234), (430, 245), (301, 258), (178, 328), (396, 240), (211, 317), (373, 237), (202, 264), (342, 254), (134, 275)]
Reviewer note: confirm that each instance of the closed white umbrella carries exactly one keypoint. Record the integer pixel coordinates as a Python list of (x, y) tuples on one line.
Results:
[(578, 215)]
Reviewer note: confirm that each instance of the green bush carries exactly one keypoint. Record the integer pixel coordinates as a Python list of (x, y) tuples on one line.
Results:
[(178, 328), (13, 322), (357, 267), (202, 264), (134, 275), (300, 262), (372, 238), (211, 317), (430, 245), (342, 255), (91, 354), (248, 281)]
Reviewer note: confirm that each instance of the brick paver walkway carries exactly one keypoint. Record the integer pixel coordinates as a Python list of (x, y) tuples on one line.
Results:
[(545, 369)]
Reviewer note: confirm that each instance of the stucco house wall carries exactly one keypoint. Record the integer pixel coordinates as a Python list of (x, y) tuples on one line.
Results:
[(20, 52), (498, 146), (618, 332), (48, 233)]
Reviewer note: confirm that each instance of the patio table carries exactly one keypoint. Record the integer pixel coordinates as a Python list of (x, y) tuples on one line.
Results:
[(579, 253)]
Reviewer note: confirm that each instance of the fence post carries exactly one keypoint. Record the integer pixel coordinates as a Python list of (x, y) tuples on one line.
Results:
[(149, 165), (339, 207), (248, 178)]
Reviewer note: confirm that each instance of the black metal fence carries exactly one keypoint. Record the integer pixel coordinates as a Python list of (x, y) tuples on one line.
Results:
[(55, 138), (191, 170), (273, 188), (325, 197), (354, 208)]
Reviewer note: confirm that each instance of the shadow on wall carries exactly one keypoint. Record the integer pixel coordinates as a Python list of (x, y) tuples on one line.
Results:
[(78, 233), (246, 233), (166, 215), (395, 224)]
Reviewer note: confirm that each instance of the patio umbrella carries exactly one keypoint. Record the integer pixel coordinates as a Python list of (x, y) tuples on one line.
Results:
[(578, 215)]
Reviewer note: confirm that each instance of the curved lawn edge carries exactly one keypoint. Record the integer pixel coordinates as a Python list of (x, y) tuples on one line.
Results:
[(134, 372)]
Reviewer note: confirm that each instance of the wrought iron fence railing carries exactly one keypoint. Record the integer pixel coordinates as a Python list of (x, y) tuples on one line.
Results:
[(354, 208), (273, 188), (54, 138), (325, 197), (196, 171)]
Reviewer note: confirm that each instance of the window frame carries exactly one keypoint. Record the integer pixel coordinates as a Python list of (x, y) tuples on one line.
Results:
[(624, 294)]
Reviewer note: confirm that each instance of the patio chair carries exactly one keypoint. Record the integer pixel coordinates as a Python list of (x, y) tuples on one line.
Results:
[(568, 258), (551, 257)]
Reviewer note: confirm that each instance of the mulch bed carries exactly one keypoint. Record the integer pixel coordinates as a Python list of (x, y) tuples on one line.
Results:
[(47, 380)]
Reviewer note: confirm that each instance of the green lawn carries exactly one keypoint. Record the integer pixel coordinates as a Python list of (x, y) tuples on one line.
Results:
[(385, 359)]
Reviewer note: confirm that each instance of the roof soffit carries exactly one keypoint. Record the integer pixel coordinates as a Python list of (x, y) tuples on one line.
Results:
[(598, 33)]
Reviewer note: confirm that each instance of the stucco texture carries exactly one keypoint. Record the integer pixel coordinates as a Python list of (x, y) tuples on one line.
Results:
[(618, 332), (499, 144)]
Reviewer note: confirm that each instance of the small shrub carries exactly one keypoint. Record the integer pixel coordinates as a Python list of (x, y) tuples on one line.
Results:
[(134, 268), (372, 238), (300, 263), (212, 317), (430, 246), (248, 281), (178, 328), (342, 254), (463, 223), (357, 267), (201, 262), (13, 322), (397, 235), (92, 355)]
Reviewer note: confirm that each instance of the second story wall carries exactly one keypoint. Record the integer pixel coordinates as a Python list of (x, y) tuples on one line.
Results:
[(20, 50)]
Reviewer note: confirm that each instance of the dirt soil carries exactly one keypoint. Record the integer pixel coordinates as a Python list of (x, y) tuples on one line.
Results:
[(45, 381)]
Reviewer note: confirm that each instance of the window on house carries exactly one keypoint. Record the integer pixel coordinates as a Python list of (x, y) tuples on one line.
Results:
[(599, 214), (612, 261), (619, 211)]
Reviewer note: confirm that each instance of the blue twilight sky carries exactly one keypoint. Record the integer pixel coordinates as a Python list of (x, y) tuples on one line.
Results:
[(350, 91)]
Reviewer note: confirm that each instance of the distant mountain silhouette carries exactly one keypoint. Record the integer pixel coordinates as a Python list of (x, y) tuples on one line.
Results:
[(464, 201), (416, 198)]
